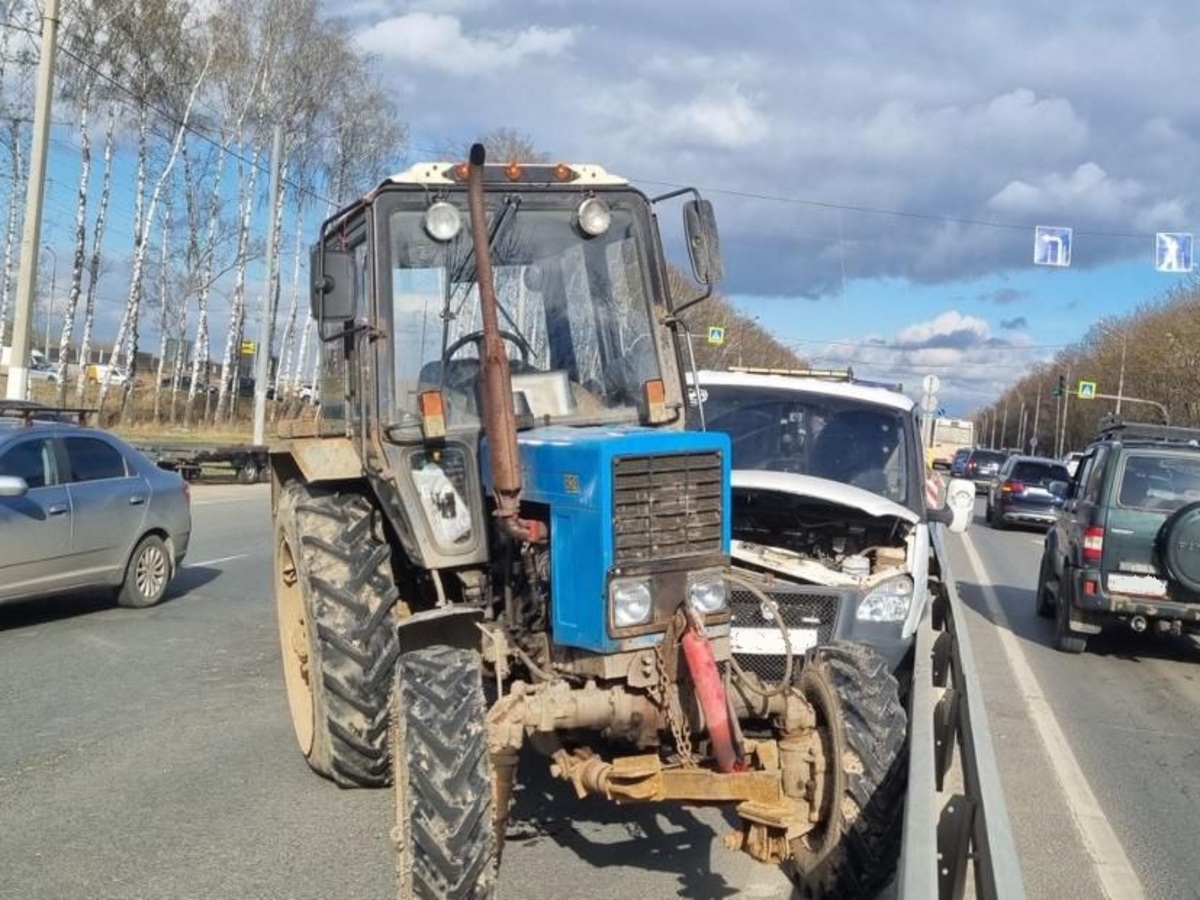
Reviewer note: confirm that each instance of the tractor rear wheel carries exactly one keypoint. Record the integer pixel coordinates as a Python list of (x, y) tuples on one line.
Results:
[(855, 849), (337, 606), (446, 837)]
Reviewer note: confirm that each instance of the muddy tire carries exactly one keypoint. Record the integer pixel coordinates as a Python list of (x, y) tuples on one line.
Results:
[(337, 607), (1044, 600), (854, 852), (445, 835)]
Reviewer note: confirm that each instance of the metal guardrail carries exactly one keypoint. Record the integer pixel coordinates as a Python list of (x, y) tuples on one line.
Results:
[(956, 830)]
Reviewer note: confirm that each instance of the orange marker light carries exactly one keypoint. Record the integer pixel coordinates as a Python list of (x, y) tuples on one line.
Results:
[(562, 172), (433, 414), (513, 171), (654, 401), (461, 171)]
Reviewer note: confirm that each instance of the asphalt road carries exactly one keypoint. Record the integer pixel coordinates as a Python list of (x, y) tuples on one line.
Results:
[(1129, 710), (148, 754)]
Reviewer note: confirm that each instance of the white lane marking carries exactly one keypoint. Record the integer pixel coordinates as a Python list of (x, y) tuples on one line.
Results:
[(213, 562), (1117, 878)]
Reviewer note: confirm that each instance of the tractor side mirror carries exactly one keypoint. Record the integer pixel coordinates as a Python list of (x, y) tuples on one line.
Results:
[(960, 501), (704, 244), (332, 284)]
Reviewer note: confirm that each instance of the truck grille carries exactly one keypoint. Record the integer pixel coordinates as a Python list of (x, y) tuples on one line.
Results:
[(667, 506), (814, 608)]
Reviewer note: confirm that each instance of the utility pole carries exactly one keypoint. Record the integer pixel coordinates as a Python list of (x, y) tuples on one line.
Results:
[(263, 357), (992, 436), (31, 237), (1121, 378), (1004, 426), (1037, 410), (1021, 428), (1062, 442)]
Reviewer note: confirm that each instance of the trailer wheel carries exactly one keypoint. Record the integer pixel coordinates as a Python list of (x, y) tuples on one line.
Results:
[(445, 835), (855, 849), (248, 472), (337, 603)]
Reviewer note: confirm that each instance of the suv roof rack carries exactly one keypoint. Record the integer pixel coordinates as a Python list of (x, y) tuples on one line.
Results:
[(1116, 429), (29, 412), (846, 375)]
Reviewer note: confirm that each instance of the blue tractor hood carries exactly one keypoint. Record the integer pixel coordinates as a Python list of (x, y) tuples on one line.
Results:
[(576, 472)]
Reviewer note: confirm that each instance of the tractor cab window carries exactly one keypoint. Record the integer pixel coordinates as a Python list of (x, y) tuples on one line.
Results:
[(574, 312)]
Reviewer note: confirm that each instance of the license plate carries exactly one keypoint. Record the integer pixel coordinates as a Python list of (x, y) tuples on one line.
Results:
[(769, 641), (1142, 585)]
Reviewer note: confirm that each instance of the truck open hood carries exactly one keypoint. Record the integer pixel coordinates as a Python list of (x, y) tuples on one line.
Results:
[(822, 489)]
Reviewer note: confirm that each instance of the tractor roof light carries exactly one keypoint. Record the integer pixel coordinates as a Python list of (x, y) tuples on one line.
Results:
[(443, 221), (594, 216)]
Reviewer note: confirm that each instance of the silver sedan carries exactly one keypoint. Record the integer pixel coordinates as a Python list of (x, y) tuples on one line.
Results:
[(80, 508)]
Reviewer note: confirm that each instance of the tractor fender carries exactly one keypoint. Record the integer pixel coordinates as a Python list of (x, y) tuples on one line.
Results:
[(321, 459), (448, 626)]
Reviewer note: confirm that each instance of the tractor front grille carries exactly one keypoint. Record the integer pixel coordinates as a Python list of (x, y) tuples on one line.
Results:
[(667, 506), (813, 609)]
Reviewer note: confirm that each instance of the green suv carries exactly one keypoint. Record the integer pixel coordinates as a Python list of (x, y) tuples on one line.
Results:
[(1126, 546)]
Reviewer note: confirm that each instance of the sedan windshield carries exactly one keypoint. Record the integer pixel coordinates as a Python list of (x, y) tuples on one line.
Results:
[(574, 311), (829, 437)]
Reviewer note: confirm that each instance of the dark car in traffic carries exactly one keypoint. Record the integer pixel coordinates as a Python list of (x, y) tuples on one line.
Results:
[(1123, 552), (958, 464), (1028, 490), (982, 466)]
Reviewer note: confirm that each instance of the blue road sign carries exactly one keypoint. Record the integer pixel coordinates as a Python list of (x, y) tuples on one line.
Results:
[(1052, 246), (716, 334), (1173, 251)]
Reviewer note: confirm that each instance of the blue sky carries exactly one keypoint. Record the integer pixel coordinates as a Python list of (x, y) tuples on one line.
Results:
[(877, 170)]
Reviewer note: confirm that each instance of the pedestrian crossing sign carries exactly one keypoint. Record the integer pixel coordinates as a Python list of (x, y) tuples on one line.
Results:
[(1087, 390), (716, 334)]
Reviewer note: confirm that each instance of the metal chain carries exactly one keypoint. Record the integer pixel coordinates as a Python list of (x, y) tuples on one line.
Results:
[(682, 741)]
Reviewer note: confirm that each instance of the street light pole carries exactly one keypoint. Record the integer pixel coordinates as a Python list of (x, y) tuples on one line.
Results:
[(1004, 427)]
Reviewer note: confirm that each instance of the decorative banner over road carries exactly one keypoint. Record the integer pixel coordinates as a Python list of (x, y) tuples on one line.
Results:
[(1173, 251)]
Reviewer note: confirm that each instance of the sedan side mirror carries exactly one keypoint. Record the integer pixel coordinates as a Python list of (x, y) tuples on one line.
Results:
[(11, 486)]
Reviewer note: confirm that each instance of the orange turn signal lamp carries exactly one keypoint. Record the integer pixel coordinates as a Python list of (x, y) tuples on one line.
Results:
[(514, 172), (654, 402), (433, 414)]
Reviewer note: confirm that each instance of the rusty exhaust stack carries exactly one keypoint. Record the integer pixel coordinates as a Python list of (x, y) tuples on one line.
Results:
[(499, 418)]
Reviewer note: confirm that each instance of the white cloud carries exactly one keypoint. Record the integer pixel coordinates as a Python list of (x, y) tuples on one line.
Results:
[(437, 41)]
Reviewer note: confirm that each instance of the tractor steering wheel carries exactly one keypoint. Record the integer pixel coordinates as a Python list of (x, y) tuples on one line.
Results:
[(476, 337)]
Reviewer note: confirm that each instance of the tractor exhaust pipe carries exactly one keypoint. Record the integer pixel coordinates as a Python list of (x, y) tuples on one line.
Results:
[(499, 417)]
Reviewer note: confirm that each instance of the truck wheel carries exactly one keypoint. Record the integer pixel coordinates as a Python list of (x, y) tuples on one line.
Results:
[(337, 601), (1065, 639), (445, 835), (1044, 601), (855, 849)]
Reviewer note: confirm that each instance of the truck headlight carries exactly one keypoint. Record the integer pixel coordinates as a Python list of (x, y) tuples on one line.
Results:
[(706, 591), (632, 602), (888, 601)]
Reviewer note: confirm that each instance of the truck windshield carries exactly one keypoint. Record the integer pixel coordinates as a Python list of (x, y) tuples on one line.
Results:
[(574, 311), (836, 438)]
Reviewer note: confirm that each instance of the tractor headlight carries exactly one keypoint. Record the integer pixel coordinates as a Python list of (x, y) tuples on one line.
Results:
[(631, 600), (888, 601), (442, 221), (706, 591), (594, 216)]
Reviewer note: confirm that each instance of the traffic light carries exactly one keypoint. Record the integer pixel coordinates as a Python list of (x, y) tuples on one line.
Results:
[(1061, 391)]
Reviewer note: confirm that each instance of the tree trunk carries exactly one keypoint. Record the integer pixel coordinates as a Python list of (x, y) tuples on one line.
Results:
[(163, 304), (237, 311), (89, 310), (85, 175)]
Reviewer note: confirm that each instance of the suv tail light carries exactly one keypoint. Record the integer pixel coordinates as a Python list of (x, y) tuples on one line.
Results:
[(1012, 487), (1093, 544)]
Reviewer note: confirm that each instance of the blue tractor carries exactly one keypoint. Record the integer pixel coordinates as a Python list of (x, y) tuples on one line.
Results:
[(497, 535)]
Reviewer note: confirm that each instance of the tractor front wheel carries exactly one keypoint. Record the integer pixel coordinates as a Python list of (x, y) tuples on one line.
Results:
[(853, 852), (337, 607), (446, 837)]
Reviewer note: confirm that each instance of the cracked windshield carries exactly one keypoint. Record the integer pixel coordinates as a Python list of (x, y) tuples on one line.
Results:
[(826, 526)]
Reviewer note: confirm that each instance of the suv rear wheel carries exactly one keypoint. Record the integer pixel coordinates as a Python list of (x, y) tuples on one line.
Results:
[(1064, 638), (1044, 601)]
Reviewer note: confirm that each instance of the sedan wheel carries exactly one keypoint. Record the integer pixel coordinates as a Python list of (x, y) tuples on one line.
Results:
[(147, 575)]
